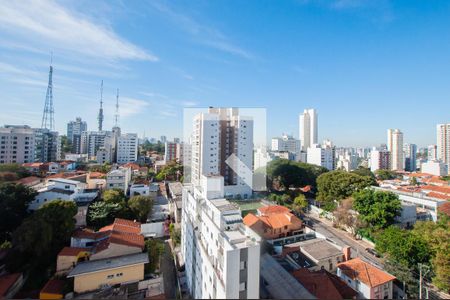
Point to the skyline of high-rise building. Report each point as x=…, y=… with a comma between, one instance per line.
x=308, y=128
x=75, y=128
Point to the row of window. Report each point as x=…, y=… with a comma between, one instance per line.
x=111, y=276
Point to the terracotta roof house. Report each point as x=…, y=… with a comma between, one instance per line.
x=273, y=222
x=445, y=208
x=324, y=285
x=10, y=284
x=68, y=257
x=120, y=238
x=368, y=280
x=29, y=181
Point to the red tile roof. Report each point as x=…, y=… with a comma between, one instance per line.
x=53, y=286
x=28, y=180
x=273, y=209
x=7, y=281
x=94, y=175
x=32, y=165
x=438, y=196
x=445, y=208
x=89, y=234
x=127, y=239
x=71, y=251
x=123, y=232
x=132, y=166
x=324, y=285
x=438, y=189
x=365, y=272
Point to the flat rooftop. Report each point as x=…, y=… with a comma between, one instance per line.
x=224, y=205
x=317, y=248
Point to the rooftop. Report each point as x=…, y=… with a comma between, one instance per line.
x=368, y=274
x=317, y=248
x=7, y=281
x=71, y=251
x=324, y=285
x=53, y=286
x=224, y=205
x=108, y=263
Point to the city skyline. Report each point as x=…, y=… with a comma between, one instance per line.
x=386, y=63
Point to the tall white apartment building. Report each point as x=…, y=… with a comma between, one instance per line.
x=380, y=159
x=221, y=254
x=93, y=141
x=287, y=143
x=395, y=147
x=432, y=152
x=222, y=144
x=127, y=148
x=443, y=142
x=322, y=155
x=308, y=128
x=17, y=144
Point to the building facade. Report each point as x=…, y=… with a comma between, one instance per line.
x=127, y=148
x=308, y=126
x=322, y=155
x=395, y=147
x=93, y=141
x=17, y=144
x=443, y=142
x=222, y=144
x=410, y=151
x=170, y=151
x=75, y=128
x=380, y=159
x=221, y=257
x=287, y=143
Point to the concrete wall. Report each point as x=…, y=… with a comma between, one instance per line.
x=93, y=281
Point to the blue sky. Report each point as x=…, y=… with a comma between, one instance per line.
x=365, y=65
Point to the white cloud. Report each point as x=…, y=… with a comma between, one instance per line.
x=130, y=106
x=204, y=35
x=189, y=103
x=45, y=22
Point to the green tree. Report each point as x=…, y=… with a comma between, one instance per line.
x=283, y=174
x=14, y=200
x=114, y=196
x=383, y=174
x=141, y=206
x=102, y=213
x=66, y=144
x=337, y=185
x=300, y=203
x=413, y=181
x=175, y=234
x=362, y=171
x=59, y=214
x=16, y=169
x=154, y=248
x=378, y=209
x=437, y=237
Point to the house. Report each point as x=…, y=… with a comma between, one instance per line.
x=315, y=254
x=139, y=189
x=53, y=289
x=120, y=238
x=96, y=180
x=95, y=274
x=34, y=168
x=324, y=285
x=64, y=189
x=68, y=165
x=274, y=222
x=159, y=165
x=118, y=179
x=10, y=284
x=50, y=167
x=68, y=257
x=369, y=281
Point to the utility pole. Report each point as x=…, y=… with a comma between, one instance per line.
x=423, y=271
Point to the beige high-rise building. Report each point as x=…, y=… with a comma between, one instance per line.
x=308, y=128
x=17, y=144
x=443, y=142
x=395, y=147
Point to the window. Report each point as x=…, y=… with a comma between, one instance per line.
x=243, y=265
x=110, y=277
x=242, y=286
x=119, y=274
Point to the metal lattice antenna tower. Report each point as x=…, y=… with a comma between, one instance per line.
x=100, y=112
x=116, y=116
x=48, y=118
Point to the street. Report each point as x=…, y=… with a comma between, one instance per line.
x=343, y=238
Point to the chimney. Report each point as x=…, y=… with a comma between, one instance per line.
x=347, y=252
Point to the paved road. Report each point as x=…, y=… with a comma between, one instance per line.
x=160, y=209
x=169, y=272
x=342, y=238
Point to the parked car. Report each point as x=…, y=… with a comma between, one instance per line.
x=373, y=252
